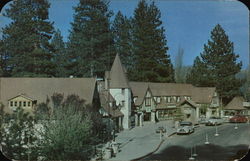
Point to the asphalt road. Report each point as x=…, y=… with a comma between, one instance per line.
x=229, y=145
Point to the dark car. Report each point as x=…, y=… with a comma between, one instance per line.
x=160, y=129
x=238, y=119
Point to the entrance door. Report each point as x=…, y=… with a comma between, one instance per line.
x=147, y=116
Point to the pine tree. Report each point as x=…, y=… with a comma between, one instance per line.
x=2, y=61
x=152, y=63
x=121, y=29
x=90, y=41
x=221, y=66
x=59, y=58
x=199, y=74
x=26, y=38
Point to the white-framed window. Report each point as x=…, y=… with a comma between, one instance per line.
x=24, y=103
x=178, y=98
x=168, y=99
x=147, y=101
x=135, y=98
x=123, y=90
x=11, y=103
x=15, y=103
x=158, y=100
x=123, y=103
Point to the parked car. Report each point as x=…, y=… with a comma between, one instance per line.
x=238, y=119
x=214, y=121
x=160, y=129
x=185, y=128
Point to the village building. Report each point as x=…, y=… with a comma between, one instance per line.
x=29, y=92
x=161, y=101
x=124, y=102
x=238, y=105
x=116, y=83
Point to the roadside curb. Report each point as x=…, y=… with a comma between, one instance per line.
x=150, y=153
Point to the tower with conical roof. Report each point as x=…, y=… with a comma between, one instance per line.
x=117, y=83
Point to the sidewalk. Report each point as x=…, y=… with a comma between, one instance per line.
x=140, y=141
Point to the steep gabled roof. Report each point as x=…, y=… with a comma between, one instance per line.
x=235, y=104
x=105, y=98
x=139, y=90
x=192, y=103
x=118, y=78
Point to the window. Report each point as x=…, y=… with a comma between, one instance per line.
x=168, y=99
x=178, y=99
x=20, y=103
x=135, y=98
x=158, y=99
x=174, y=98
x=148, y=101
x=11, y=103
x=15, y=103
x=24, y=103
x=29, y=104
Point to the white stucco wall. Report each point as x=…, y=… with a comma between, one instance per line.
x=126, y=110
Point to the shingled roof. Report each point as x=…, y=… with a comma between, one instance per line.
x=118, y=78
x=106, y=97
x=235, y=104
x=170, y=89
x=42, y=88
x=198, y=94
x=139, y=90
x=203, y=94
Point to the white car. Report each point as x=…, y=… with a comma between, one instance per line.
x=185, y=128
x=214, y=121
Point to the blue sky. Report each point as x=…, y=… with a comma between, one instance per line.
x=188, y=23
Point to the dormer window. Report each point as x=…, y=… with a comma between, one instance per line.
x=168, y=99
x=21, y=101
x=158, y=99
x=178, y=99
x=148, y=101
x=123, y=90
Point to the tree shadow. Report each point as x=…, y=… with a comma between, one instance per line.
x=205, y=152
